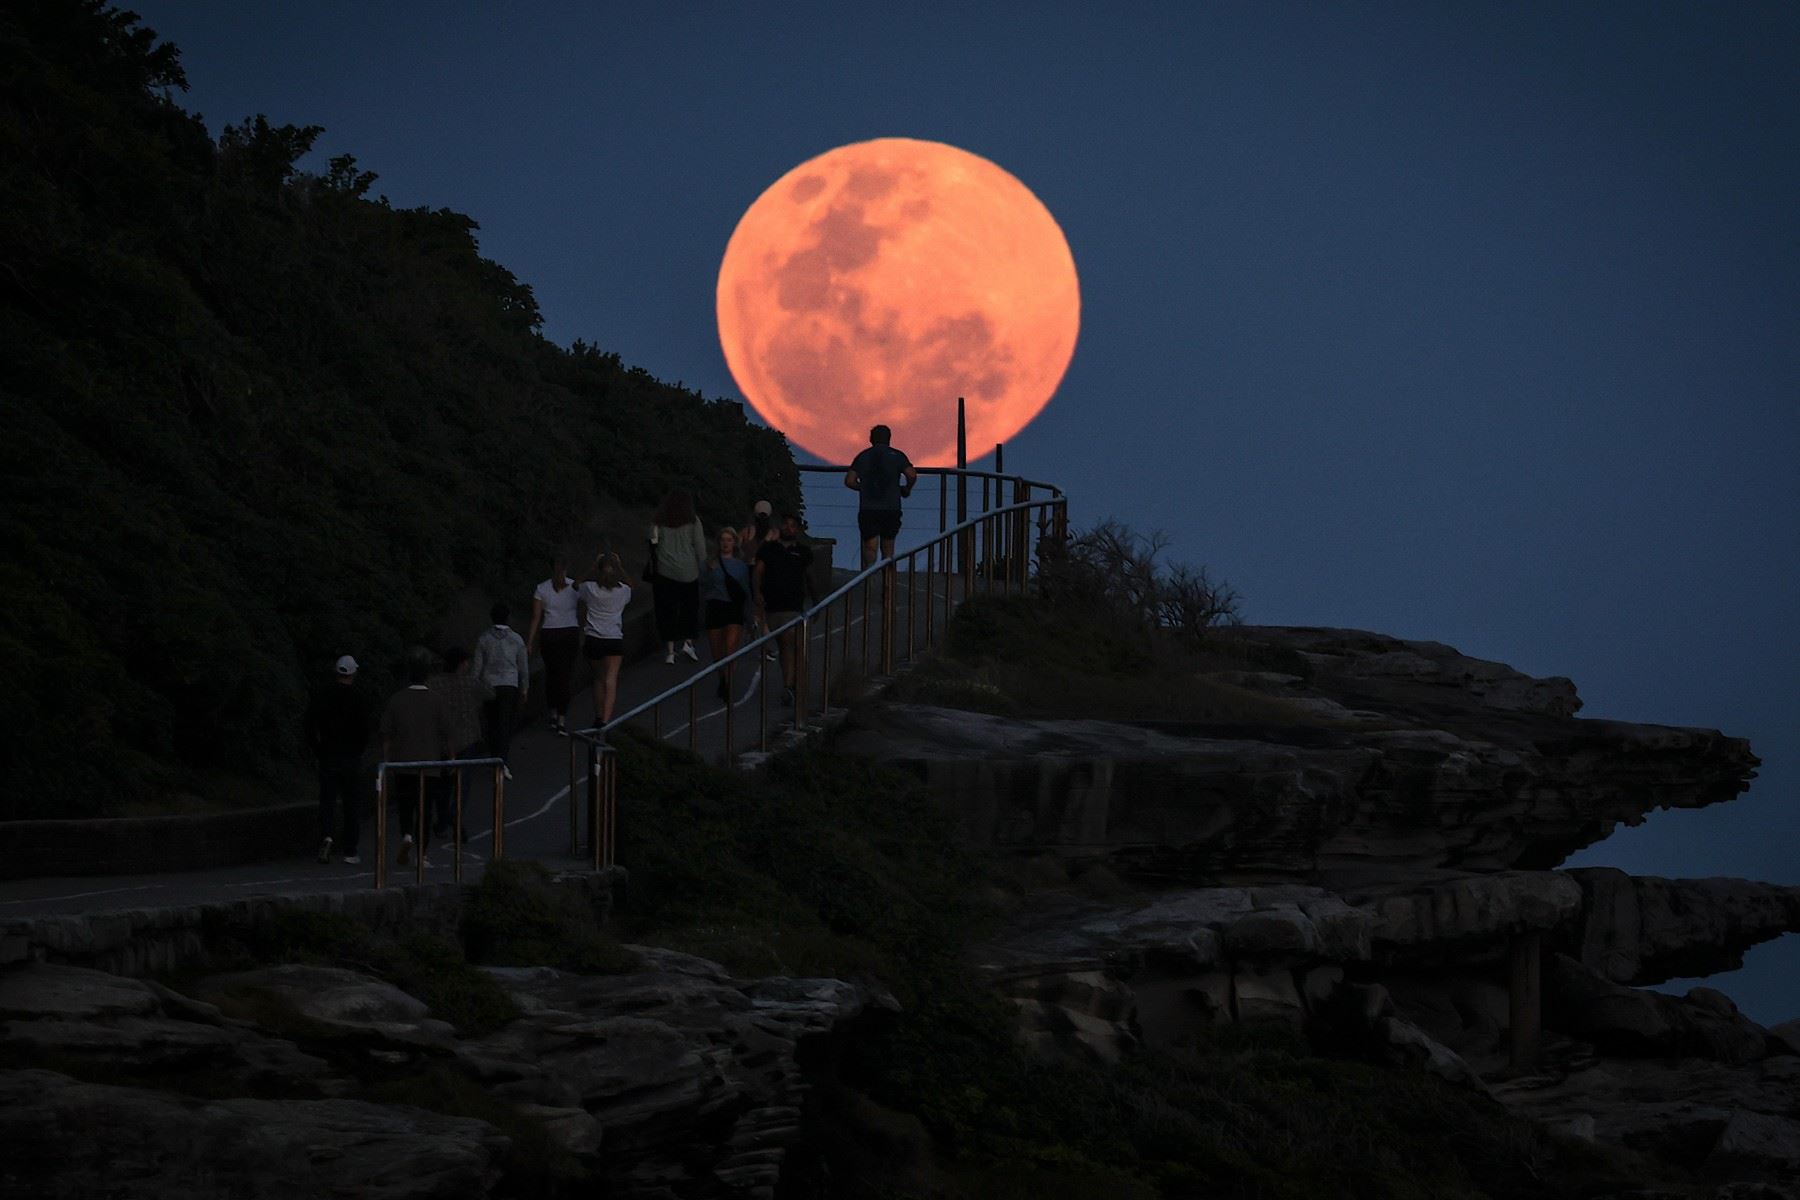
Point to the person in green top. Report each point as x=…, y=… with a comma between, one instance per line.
x=678, y=556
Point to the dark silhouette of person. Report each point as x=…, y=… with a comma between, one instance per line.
x=780, y=582
x=504, y=669
x=554, y=616
x=416, y=727
x=337, y=730
x=678, y=553
x=884, y=477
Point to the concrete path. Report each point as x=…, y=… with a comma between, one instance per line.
x=537, y=798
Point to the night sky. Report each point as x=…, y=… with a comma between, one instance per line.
x=1477, y=325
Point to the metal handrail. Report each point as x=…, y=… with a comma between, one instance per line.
x=1007, y=525
x=496, y=765
x=952, y=472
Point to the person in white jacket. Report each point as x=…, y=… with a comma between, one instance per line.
x=504, y=669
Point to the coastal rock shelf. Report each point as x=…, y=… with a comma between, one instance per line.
x=674, y=1079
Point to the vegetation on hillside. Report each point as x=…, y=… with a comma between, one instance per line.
x=253, y=417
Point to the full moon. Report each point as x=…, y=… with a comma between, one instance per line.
x=881, y=280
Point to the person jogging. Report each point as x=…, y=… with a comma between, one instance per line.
x=503, y=667
x=884, y=477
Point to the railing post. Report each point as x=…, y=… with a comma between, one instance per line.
x=499, y=811
x=381, y=807
x=419, y=838
x=575, y=744
x=693, y=719
x=762, y=700
x=456, y=833
x=890, y=579
x=825, y=660
x=930, y=589
x=730, y=713
x=865, y=627
x=943, y=503
x=912, y=602
x=801, y=669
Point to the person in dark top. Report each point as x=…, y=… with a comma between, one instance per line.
x=780, y=583
x=337, y=730
x=416, y=726
x=884, y=476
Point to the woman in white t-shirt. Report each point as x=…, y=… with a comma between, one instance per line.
x=554, y=615
x=605, y=593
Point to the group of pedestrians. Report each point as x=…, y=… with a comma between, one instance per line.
x=755, y=577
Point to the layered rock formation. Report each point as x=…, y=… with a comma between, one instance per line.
x=1371, y=875
x=673, y=1080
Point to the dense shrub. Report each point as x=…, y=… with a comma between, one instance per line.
x=252, y=418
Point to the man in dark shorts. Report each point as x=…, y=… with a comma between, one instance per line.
x=884, y=476
x=780, y=582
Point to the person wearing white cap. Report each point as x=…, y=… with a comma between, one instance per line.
x=337, y=730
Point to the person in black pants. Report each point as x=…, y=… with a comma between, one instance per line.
x=337, y=730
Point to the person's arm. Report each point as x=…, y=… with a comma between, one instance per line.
x=537, y=621
x=522, y=663
x=852, y=480
x=698, y=532
x=911, y=475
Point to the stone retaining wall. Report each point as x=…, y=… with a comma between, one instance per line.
x=135, y=845
x=142, y=941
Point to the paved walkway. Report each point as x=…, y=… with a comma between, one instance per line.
x=537, y=799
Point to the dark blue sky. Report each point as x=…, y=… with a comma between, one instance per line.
x=1474, y=324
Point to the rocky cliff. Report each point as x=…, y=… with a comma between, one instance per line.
x=1377, y=874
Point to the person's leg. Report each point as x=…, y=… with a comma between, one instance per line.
x=350, y=784
x=559, y=669
x=506, y=711
x=866, y=528
x=689, y=616
x=664, y=603
x=730, y=638
x=612, y=686
x=327, y=800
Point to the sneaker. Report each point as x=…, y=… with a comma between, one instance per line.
x=325, y=851
x=424, y=862
x=771, y=654
x=687, y=648
x=353, y=860
x=562, y=728
x=505, y=771
x=669, y=659
x=406, y=845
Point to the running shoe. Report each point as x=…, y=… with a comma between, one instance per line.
x=505, y=771
x=669, y=659
x=325, y=851
x=353, y=860
x=687, y=648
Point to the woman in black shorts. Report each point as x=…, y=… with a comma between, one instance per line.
x=604, y=593
x=725, y=590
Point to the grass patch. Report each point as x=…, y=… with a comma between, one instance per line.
x=517, y=916
x=433, y=969
x=1020, y=656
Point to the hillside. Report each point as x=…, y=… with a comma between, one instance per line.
x=252, y=417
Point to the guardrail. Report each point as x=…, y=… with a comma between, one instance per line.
x=419, y=771
x=991, y=551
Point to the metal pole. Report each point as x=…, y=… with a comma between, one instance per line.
x=730, y=711
x=930, y=589
x=499, y=812
x=419, y=840
x=962, y=465
x=456, y=835
x=865, y=626
x=912, y=601
x=801, y=668
x=693, y=719
x=574, y=794
x=381, y=827
x=762, y=699
x=825, y=661
x=890, y=579
x=943, y=502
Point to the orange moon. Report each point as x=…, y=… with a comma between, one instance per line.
x=881, y=280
